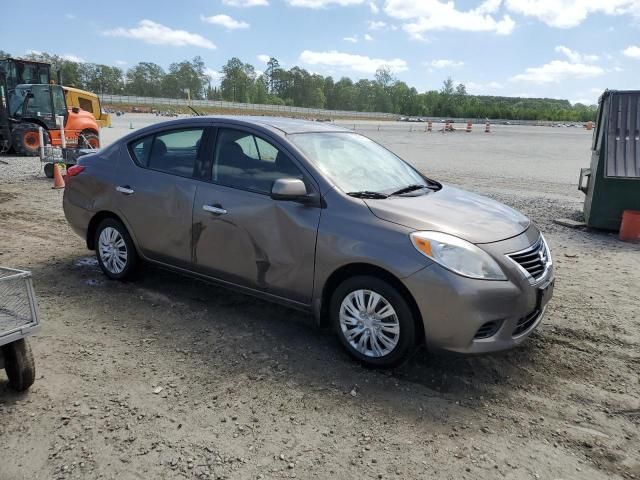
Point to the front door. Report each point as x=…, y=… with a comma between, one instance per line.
x=156, y=189
x=240, y=234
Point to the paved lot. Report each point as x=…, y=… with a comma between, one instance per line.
x=252, y=390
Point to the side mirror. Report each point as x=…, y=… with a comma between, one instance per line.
x=291, y=189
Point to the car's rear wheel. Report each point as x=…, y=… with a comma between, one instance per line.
x=115, y=250
x=373, y=321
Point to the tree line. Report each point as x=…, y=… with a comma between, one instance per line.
x=240, y=82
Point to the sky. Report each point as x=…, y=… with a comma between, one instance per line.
x=569, y=49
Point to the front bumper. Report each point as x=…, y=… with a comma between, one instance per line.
x=457, y=311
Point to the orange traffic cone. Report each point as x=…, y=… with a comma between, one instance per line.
x=468, y=130
x=430, y=127
x=58, y=182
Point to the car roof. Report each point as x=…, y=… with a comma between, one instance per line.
x=282, y=125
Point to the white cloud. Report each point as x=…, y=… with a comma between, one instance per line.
x=430, y=15
x=575, y=57
x=73, y=58
x=357, y=63
x=264, y=58
x=353, y=39
x=444, y=63
x=632, y=51
x=121, y=62
x=213, y=74
x=376, y=25
x=556, y=71
x=368, y=37
x=571, y=13
x=374, y=8
x=246, y=3
x=323, y=3
x=69, y=16
x=226, y=21
x=33, y=52
x=157, y=34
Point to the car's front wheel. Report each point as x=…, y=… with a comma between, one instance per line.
x=373, y=321
x=115, y=250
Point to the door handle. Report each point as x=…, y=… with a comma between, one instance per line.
x=216, y=210
x=126, y=190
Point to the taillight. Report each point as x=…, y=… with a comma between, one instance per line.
x=74, y=170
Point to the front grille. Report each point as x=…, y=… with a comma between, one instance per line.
x=525, y=323
x=487, y=330
x=534, y=259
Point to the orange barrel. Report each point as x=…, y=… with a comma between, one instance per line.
x=630, y=227
x=468, y=130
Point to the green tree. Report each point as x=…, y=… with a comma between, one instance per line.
x=145, y=79
x=237, y=81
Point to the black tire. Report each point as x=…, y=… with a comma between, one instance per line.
x=48, y=170
x=406, y=322
x=132, y=260
x=19, y=364
x=26, y=140
x=89, y=139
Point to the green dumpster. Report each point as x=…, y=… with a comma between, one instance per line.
x=613, y=181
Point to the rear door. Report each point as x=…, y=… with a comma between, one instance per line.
x=157, y=183
x=240, y=234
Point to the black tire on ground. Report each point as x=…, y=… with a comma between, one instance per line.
x=89, y=139
x=407, y=327
x=19, y=364
x=132, y=259
x=48, y=170
x=26, y=140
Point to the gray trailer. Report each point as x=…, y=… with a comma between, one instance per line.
x=18, y=319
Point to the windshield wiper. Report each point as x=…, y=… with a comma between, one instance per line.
x=367, y=194
x=410, y=188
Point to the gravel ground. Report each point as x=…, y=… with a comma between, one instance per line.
x=170, y=377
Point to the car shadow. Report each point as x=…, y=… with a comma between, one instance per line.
x=310, y=349
x=239, y=336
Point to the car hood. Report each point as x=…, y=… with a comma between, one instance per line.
x=472, y=217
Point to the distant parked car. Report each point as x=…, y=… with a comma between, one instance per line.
x=319, y=218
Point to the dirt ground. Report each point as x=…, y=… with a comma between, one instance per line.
x=169, y=377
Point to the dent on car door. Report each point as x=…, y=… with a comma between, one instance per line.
x=241, y=234
x=156, y=192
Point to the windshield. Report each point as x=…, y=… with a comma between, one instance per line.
x=355, y=163
x=39, y=105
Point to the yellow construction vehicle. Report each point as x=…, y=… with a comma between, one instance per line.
x=88, y=102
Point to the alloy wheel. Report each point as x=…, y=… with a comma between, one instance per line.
x=369, y=323
x=113, y=250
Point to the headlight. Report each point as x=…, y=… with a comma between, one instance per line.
x=457, y=255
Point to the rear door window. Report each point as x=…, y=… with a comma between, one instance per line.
x=140, y=150
x=175, y=152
